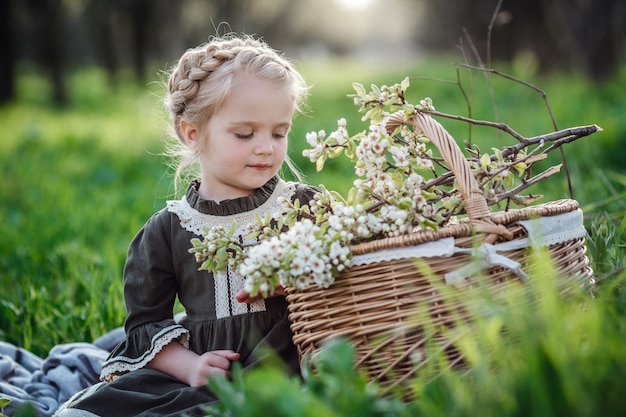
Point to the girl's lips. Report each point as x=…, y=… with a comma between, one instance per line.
x=260, y=166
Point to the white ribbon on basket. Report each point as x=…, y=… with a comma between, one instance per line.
x=543, y=231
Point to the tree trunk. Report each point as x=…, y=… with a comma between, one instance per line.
x=7, y=52
x=47, y=17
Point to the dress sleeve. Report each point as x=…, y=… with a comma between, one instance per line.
x=150, y=288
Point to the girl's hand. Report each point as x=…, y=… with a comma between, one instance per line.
x=193, y=369
x=210, y=364
x=243, y=296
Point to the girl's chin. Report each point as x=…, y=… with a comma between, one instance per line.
x=262, y=175
x=258, y=182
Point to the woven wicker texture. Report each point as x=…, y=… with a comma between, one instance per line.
x=374, y=305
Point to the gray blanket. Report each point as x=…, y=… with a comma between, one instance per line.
x=47, y=383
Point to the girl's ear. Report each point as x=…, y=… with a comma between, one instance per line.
x=190, y=133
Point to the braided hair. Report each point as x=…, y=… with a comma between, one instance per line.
x=201, y=81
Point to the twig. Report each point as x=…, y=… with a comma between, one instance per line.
x=444, y=179
x=526, y=184
x=473, y=47
x=489, y=83
x=501, y=126
x=437, y=80
x=463, y=92
x=468, y=100
x=468, y=103
x=539, y=91
x=559, y=138
x=494, y=16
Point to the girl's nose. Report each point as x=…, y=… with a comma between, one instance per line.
x=264, y=145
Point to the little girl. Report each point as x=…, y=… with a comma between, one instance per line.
x=232, y=102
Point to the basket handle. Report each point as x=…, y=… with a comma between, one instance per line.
x=474, y=201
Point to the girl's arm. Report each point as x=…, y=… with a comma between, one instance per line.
x=189, y=367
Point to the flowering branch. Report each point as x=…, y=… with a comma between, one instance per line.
x=401, y=188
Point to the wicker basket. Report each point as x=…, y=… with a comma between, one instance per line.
x=373, y=303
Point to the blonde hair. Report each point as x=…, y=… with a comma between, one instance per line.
x=200, y=83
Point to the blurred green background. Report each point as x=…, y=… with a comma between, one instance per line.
x=83, y=128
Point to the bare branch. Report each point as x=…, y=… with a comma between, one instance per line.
x=559, y=138
x=539, y=91
x=501, y=126
x=527, y=184
x=494, y=16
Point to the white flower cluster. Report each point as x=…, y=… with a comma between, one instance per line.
x=322, y=146
x=393, y=200
x=315, y=141
x=298, y=257
x=218, y=250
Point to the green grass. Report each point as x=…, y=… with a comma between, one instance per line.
x=77, y=183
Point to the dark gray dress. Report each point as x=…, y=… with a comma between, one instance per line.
x=159, y=268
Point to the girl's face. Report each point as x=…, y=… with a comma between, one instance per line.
x=245, y=143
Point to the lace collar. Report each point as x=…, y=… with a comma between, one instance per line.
x=194, y=212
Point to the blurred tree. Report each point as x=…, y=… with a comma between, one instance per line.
x=7, y=52
x=587, y=35
x=46, y=30
x=141, y=13
x=100, y=17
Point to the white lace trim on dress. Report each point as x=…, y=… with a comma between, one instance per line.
x=120, y=365
x=194, y=221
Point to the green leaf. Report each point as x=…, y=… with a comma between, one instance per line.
x=235, y=248
x=221, y=265
x=233, y=227
x=350, y=150
x=485, y=160
x=335, y=152
x=221, y=254
x=498, y=154
x=409, y=110
x=430, y=224
x=520, y=167
x=208, y=265
x=290, y=218
x=405, y=84
x=360, y=90
x=197, y=243
x=319, y=164
x=404, y=204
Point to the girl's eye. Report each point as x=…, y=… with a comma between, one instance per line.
x=279, y=135
x=244, y=135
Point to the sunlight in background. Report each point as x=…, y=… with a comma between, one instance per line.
x=379, y=32
x=354, y=4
